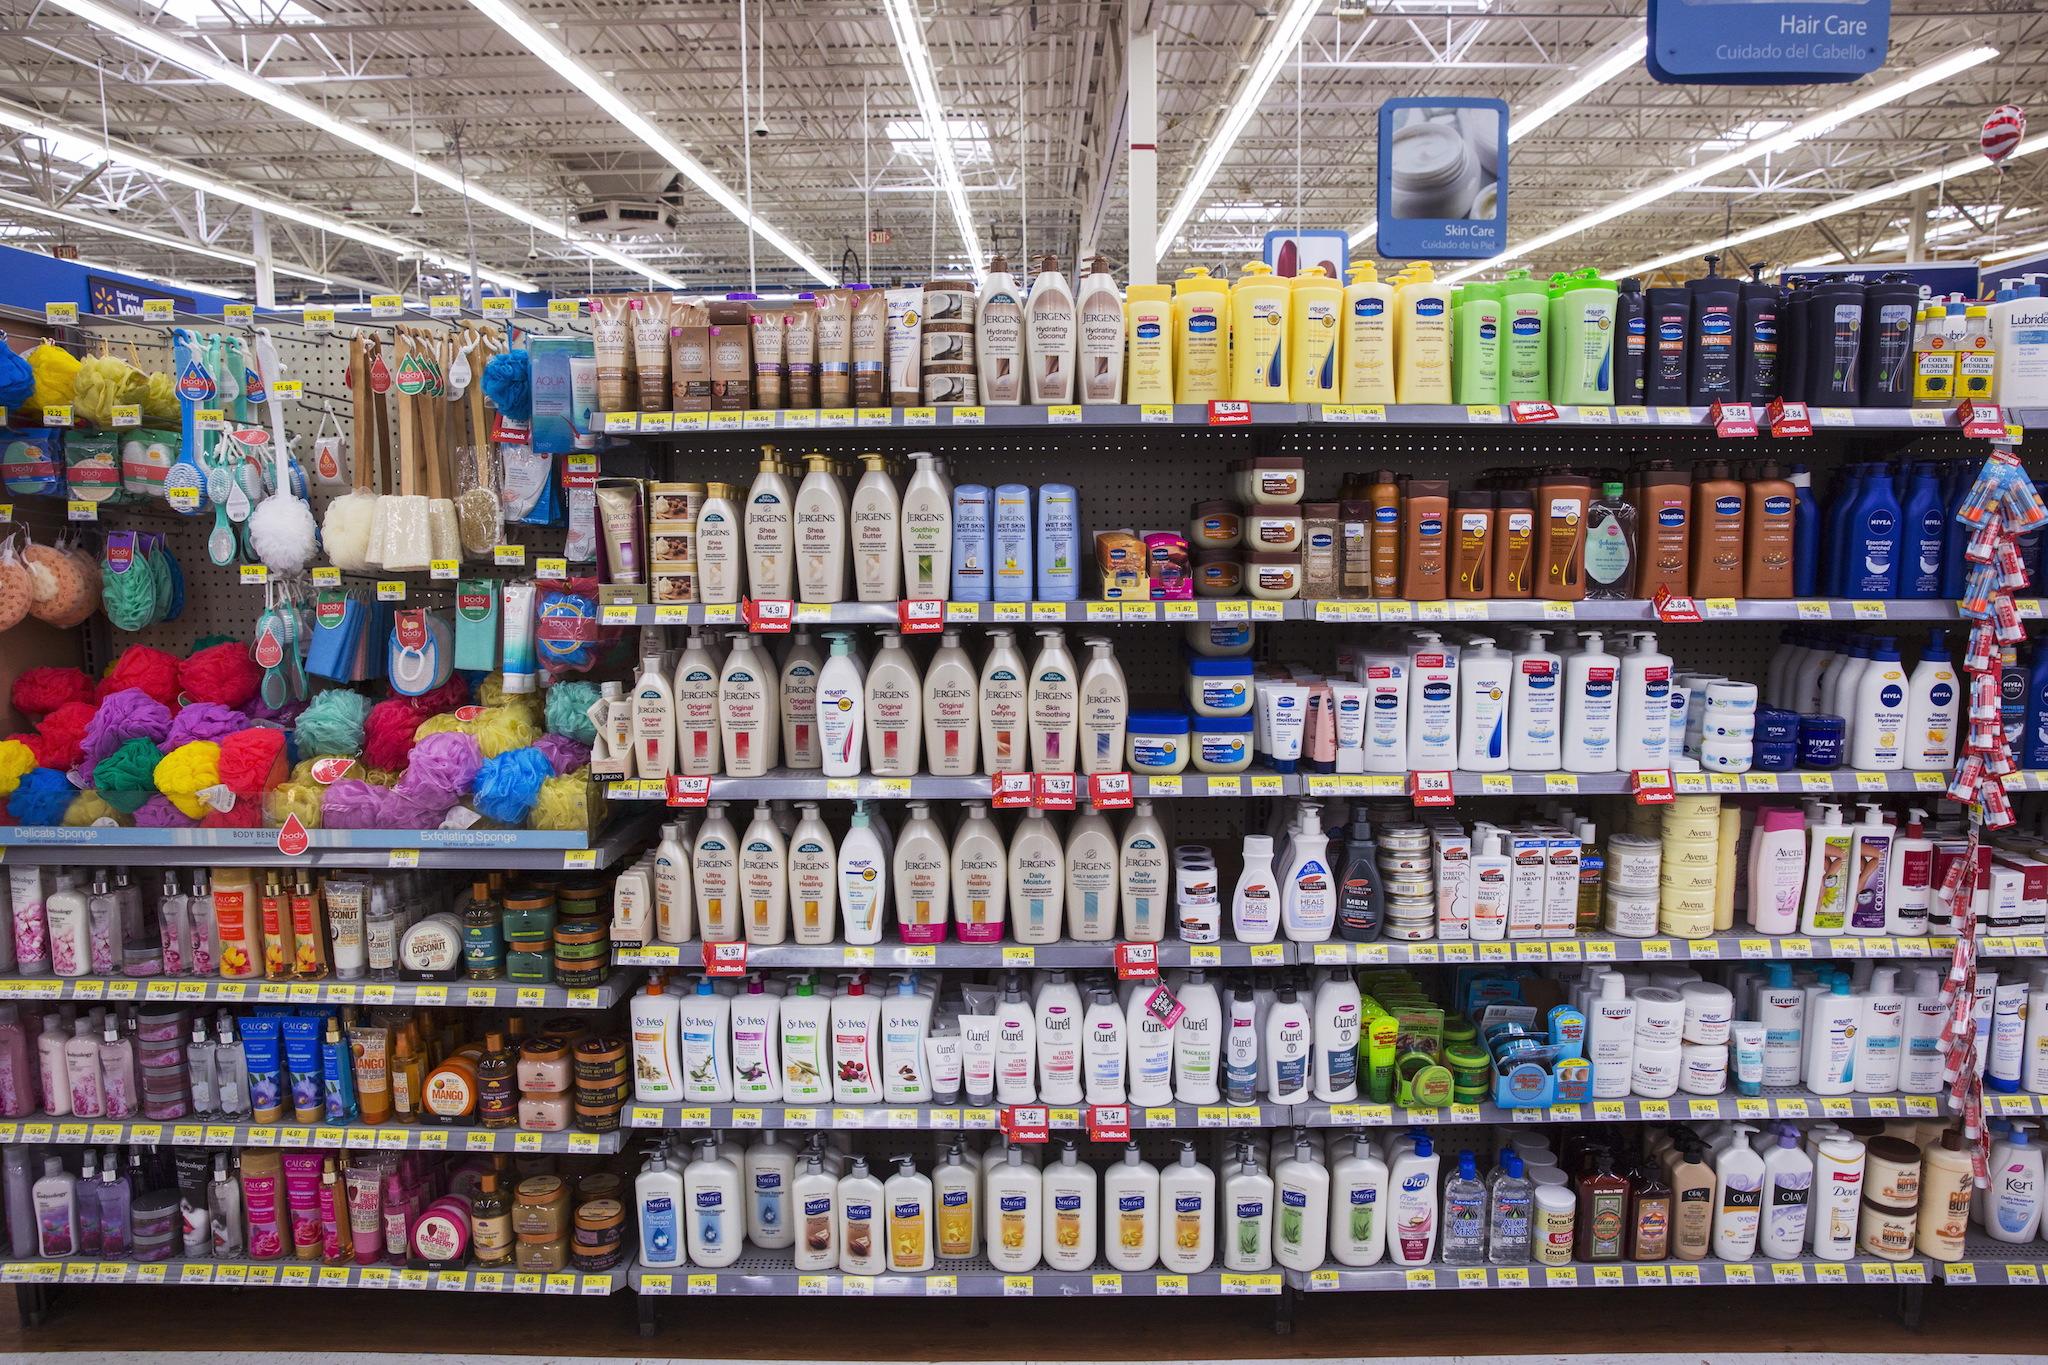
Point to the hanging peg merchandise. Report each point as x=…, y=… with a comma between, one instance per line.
x=281, y=529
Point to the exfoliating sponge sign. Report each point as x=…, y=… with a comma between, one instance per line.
x=1443, y=178
x=1767, y=42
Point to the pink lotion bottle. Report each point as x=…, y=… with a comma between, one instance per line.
x=17, y=1079
x=117, y=1072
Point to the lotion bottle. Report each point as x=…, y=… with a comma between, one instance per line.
x=1536, y=708
x=863, y=879
x=1645, y=693
x=797, y=691
x=1071, y=1199
x=1037, y=878
x=1142, y=875
x=1050, y=335
x=1738, y=1196
x=951, y=727
x=927, y=532
x=714, y=872
x=980, y=878
x=908, y=1199
x=1932, y=708
x=1832, y=1022
x=1484, y=674
x=821, y=520
x=1787, y=1199
x=751, y=732
x=841, y=702
x=1187, y=1214
x=1828, y=890
x=1091, y=892
x=654, y=721
x=1358, y=1204
x=764, y=879
x=999, y=337
x=894, y=707
x=1013, y=1195
x=919, y=873
x=1101, y=311
x=1004, y=744
x=1308, y=892
x=1131, y=1204
x=1197, y=1040
x=813, y=879
x=955, y=1196
x=1590, y=707
x=863, y=1221
x=855, y=1020
x=771, y=556
x=1255, y=904
x=1052, y=706
x=699, y=745
x=715, y=1232
x=1247, y=1208
x=1412, y=1205
x=1105, y=702
x=876, y=531
x=1366, y=348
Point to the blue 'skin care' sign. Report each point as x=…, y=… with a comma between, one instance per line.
x=1767, y=42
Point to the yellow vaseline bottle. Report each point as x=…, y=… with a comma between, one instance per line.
x=1422, y=329
x=1315, y=314
x=1365, y=352
x=1201, y=336
x=1148, y=343
x=1258, y=335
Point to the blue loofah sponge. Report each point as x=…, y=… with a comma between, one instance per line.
x=45, y=794
x=506, y=786
x=508, y=383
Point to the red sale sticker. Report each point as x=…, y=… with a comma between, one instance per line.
x=1532, y=412
x=1010, y=791
x=921, y=615
x=1431, y=788
x=688, y=791
x=1109, y=791
x=1981, y=419
x=1225, y=412
x=1733, y=419
x=1788, y=419
x=725, y=959
x=1137, y=961
x=1672, y=609
x=1651, y=786
x=1109, y=1123
x=768, y=615
x=1027, y=1123
x=1053, y=791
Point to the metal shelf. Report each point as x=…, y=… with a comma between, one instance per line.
x=808, y=785
x=470, y=849
x=1327, y=611
x=1615, y=1275
x=306, y=1274
x=771, y=1273
x=473, y=994
x=411, y=1137
x=1773, y=1104
x=1097, y=416
x=1732, y=946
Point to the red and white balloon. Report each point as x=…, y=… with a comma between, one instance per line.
x=2003, y=129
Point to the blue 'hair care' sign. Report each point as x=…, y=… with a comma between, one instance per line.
x=1767, y=42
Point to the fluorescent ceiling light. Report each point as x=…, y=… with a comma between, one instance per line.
x=1619, y=61
x=108, y=225
x=157, y=43
x=1626, y=57
x=924, y=84
x=1968, y=165
x=1803, y=131
x=2014, y=253
x=1280, y=44
x=600, y=92
x=228, y=12
x=234, y=192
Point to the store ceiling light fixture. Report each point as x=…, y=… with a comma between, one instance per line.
x=35, y=125
x=1618, y=62
x=157, y=43
x=97, y=223
x=1804, y=130
x=1862, y=199
x=1280, y=43
x=908, y=30
x=601, y=92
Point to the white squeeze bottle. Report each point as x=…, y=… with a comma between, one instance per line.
x=1837, y=1197
x=1255, y=904
x=1014, y=1195
x=951, y=728
x=1038, y=880
x=1738, y=1196
x=841, y=703
x=1004, y=742
x=674, y=906
x=1301, y=1193
x=806, y=1045
x=1432, y=703
x=1071, y=1200
x=920, y=874
x=1091, y=855
x=714, y=871
x=721, y=555
x=1101, y=312
x=1142, y=888
x=1308, y=888
x=980, y=877
x=704, y=1028
x=1777, y=868
x=657, y=1045
x=698, y=743
x=1197, y=1039
x=764, y=879
x=716, y=1229
x=894, y=704
x=1933, y=704
x=1412, y=1205
x=1105, y=702
x=1878, y=721
x=856, y=1019
x=756, y=1060
x=1338, y=1011
x=927, y=531
x=813, y=879
x=1536, y=708
x=1484, y=674
x=1870, y=857
x=798, y=690
x=1052, y=706
x=1366, y=339
x=2012, y=1206
x=1645, y=692
x=1288, y=1048
x=1880, y=1038
x=658, y=1194
x=863, y=879
x=1150, y=1044
x=1102, y=1048
x=876, y=533
x=1590, y=704
x=1920, y=1064
x=1833, y=1020
x=771, y=556
x=862, y=1229
x=1057, y=1023
x=1828, y=892
x=820, y=533
x=1247, y=1207
x=1358, y=1204
x=654, y=721
x=999, y=337
x=1787, y=1198
x=815, y=1195
x=956, y=1195
x=1187, y=1214
x=1909, y=880
x=1130, y=1203
x=908, y=1198
x=751, y=732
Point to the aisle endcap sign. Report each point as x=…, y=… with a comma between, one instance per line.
x=1767, y=42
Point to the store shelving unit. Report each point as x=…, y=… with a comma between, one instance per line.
x=63, y=1132
x=471, y=994
x=307, y=1275
x=769, y=1272
x=475, y=849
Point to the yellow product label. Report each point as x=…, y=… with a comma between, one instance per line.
x=906, y=1235
x=1934, y=376
x=1973, y=373
x=1201, y=333
x=1188, y=1225
x=1259, y=349
x=956, y=1223
x=1015, y=1224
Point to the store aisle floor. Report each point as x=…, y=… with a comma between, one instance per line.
x=196, y=1326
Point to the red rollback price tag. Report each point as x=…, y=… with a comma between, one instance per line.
x=1674, y=610
x=1027, y=1122
x=1985, y=420
x=725, y=959
x=1137, y=962
x=1733, y=419
x=921, y=615
x=1788, y=419
x=1228, y=412
x=1521, y=414
x=768, y=615
x=292, y=839
x=1651, y=786
x=1431, y=788
x=1109, y=1123
x=1109, y=791
x=688, y=791
x=1011, y=791
x=1052, y=791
